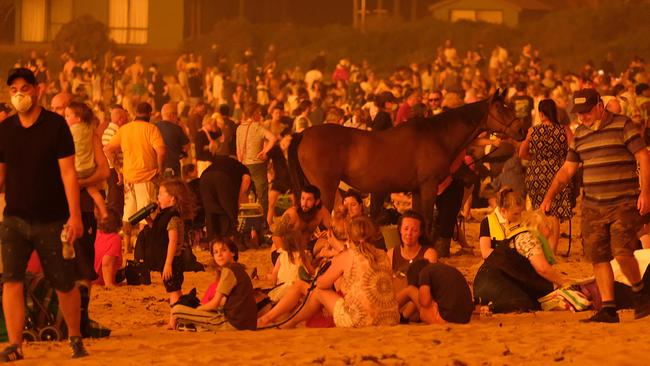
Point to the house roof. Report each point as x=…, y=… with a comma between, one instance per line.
x=518, y=4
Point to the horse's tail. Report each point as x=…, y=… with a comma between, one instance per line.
x=298, y=178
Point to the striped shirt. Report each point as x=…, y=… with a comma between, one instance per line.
x=607, y=153
x=108, y=134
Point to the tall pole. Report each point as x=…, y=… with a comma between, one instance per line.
x=396, y=9
x=363, y=15
x=414, y=10
x=355, y=14
x=241, y=9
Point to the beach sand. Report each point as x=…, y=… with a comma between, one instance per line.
x=138, y=317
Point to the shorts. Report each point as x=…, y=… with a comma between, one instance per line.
x=210, y=320
x=137, y=196
x=610, y=231
x=342, y=318
x=175, y=283
x=20, y=238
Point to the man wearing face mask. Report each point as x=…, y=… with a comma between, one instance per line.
x=42, y=192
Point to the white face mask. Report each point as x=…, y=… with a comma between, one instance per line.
x=22, y=102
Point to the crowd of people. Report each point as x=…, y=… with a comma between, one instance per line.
x=91, y=147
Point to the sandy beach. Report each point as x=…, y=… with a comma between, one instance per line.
x=138, y=315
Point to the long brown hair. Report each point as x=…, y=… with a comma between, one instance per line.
x=185, y=201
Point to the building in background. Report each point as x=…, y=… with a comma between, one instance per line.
x=506, y=12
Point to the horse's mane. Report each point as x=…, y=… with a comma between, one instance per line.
x=471, y=114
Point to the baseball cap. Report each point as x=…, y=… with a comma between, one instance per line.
x=584, y=100
x=21, y=73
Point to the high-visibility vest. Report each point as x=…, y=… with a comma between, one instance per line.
x=501, y=235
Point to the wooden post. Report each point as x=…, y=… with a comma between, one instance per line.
x=355, y=14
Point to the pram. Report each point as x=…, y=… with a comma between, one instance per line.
x=43, y=318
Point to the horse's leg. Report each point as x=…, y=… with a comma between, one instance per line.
x=427, y=200
x=376, y=205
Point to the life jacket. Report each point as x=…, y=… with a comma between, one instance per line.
x=501, y=235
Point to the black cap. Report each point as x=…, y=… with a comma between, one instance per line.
x=21, y=73
x=584, y=100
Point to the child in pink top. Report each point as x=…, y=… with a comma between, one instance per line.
x=108, y=249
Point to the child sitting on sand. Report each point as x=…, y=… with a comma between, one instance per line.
x=291, y=257
x=239, y=310
x=439, y=292
x=108, y=249
x=80, y=119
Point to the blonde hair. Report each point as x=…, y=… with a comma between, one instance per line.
x=290, y=240
x=508, y=198
x=535, y=221
x=362, y=233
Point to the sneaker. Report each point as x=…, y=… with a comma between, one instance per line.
x=77, y=346
x=11, y=353
x=602, y=316
x=642, y=306
x=186, y=327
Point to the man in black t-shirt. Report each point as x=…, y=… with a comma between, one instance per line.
x=37, y=166
x=223, y=185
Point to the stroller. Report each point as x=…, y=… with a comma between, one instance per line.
x=43, y=318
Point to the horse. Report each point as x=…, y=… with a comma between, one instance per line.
x=412, y=157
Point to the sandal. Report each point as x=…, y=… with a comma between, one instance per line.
x=11, y=353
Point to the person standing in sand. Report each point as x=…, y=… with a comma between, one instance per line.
x=610, y=147
x=25, y=139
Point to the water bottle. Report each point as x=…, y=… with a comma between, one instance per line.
x=67, y=245
x=142, y=213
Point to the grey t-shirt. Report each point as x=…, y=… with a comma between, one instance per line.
x=250, y=141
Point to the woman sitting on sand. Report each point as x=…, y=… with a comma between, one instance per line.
x=324, y=250
x=410, y=231
x=291, y=257
x=517, y=269
x=362, y=274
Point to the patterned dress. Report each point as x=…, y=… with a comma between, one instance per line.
x=368, y=298
x=548, y=148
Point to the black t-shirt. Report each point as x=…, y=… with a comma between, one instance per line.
x=485, y=228
x=34, y=188
x=450, y=290
x=229, y=166
x=382, y=121
x=174, y=138
x=201, y=141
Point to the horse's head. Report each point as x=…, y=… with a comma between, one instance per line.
x=502, y=119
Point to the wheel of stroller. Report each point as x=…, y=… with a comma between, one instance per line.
x=50, y=333
x=30, y=335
